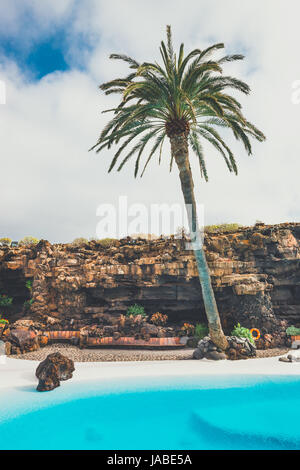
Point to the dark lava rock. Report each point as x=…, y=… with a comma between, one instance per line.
x=23, y=339
x=284, y=359
x=74, y=341
x=293, y=358
x=192, y=342
x=198, y=354
x=149, y=329
x=239, y=348
x=215, y=355
x=52, y=370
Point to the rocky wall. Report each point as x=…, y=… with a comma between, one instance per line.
x=255, y=275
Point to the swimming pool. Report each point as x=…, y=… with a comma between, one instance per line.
x=219, y=412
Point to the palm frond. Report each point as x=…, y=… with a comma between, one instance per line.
x=207, y=52
x=231, y=58
x=133, y=63
x=158, y=142
x=189, y=94
x=198, y=150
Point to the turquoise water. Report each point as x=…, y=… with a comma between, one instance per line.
x=176, y=413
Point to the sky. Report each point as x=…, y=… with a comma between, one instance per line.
x=53, y=56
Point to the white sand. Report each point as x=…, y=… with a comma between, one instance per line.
x=19, y=373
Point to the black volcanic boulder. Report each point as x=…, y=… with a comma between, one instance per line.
x=23, y=339
x=238, y=348
x=149, y=329
x=52, y=370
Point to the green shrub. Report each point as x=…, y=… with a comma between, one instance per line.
x=79, y=241
x=29, y=285
x=27, y=241
x=3, y=321
x=27, y=304
x=201, y=330
x=135, y=310
x=292, y=331
x=107, y=242
x=5, y=241
x=5, y=301
x=242, y=332
x=222, y=228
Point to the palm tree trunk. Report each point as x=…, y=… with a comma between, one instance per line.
x=179, y=149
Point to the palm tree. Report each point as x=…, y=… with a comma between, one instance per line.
x=184, y=99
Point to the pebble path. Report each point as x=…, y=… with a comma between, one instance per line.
x=112, y=355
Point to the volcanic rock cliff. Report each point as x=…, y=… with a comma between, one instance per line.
x=255, y=275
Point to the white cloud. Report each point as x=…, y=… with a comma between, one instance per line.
x=33, y=19
x=51, y=186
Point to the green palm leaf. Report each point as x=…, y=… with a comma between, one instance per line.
x=189, y=95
